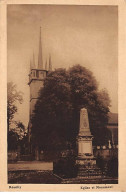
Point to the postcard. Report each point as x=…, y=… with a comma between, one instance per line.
x=63, y=95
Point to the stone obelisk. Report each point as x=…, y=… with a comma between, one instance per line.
x=84, y=140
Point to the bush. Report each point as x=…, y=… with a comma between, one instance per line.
x=112, y=167
x=65, y=167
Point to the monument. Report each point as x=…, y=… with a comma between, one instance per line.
x=85, y=160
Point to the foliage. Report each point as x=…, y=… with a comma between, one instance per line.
x=101, y=163
x=13, y=96
x=13, y=140
x=54, y=108
x=17, y=137
x=20, y=129
x=66, y=167
x=112, y=167
x=56, y=116
x=16, y=129
x=24, y=144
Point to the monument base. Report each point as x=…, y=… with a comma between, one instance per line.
x=87, y=168
x=88, y=172
x=86, y=161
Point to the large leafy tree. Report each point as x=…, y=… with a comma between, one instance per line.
x=53, y=111
x=85, y=93
x=17, y=137
x=16, y=129
x=13, y=140
x=13, y=97
x=56, y=116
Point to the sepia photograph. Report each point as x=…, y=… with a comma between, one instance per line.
x=62, y=94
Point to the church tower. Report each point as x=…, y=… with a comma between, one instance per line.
x=36, y=79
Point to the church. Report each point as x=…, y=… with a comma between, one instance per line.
x=36, y=79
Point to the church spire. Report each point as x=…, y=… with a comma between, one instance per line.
x=50, y=63
x=40, y=62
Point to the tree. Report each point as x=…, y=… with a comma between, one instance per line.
x=13, y=96
x=13, y=140
x=112, y=167
x=54, y=108
x=85, y=93
x=17, y=136
x=56, y=115
x=23, y=142
x=20, y=129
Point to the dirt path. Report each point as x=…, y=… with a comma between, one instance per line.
x=30, y=165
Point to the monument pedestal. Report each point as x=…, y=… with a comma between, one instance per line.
x=86, y=161
x=87, y=167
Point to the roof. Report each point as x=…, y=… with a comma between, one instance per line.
x=113, y=118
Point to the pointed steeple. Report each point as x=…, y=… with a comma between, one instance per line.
x=40, y=62
x=46, y=65
x=50, y=63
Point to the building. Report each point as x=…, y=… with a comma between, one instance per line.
x=36, y=80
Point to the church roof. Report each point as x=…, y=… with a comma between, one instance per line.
x=113, y=118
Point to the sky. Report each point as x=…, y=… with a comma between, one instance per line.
x=72, y=34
